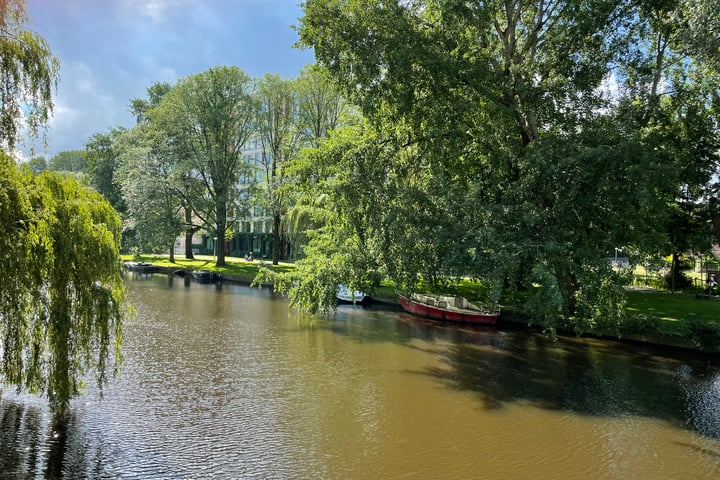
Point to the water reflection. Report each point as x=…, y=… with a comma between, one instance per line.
x=223, y=381
x=583, y=376
x=21, y=438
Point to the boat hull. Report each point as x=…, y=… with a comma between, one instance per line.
x=438, y=313
x=204, y=276
x=142, y=267
x=354, y=297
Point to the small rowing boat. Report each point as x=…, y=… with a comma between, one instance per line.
x=448, y=307
x=356, y=297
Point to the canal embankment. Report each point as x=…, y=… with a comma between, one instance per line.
x=674, y=321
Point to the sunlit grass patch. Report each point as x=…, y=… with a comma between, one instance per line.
x=235, y=265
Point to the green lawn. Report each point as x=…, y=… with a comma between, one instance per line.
x=235, y=266
x=675, y=312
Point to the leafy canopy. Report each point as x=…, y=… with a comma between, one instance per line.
x=491, y=151
x=28, y=74
x=207, y=118
x=61, y=305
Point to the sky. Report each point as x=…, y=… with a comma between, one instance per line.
x=111, y=51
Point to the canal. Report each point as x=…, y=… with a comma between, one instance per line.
x=226, y=382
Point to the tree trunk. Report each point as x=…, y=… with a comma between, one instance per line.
x=715, y=218
x=570, y=287
x=220, y=246
x=220, y=226
x=189, y=232
x=276, y=239
x=172, y=252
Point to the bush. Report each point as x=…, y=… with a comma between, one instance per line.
x=641, y=323
x=705, y=335
x=682, y=281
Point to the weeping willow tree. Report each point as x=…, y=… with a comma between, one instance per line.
x=61, y=294
x=28, y=74
x=61, y=300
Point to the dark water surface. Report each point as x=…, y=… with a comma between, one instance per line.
x=224, y=381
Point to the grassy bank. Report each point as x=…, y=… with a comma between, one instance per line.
x=674, y=312
x=237, y=267
x=680, y=315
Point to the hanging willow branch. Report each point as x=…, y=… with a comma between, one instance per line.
x=62, y=297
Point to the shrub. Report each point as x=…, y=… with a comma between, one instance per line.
x=682, y=281
x=641, y=323
x=705, y=335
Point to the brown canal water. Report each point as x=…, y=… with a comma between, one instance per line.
x=224, y=381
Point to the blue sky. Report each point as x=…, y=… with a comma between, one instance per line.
x=111, y=51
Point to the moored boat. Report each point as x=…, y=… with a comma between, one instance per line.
x=449, y=308
x=204, y=275
x=356, y=297
x=145, y=267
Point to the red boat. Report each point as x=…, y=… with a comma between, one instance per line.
x=450, y=308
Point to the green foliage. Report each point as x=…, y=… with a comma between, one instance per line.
x=705, y=335
x=312, y=286
x=321, y=106
x=38, y=164
x=680, y=281
x=28, y=74
x=159, y=185
x=279, y=139
x=601, y=302
x=321, y=110
x=61, y=304
x=641, y=323
x=68, y=161
x=490, y=152
x=150, y=189
x=103, y=158
x=207, y=118
x=545, y=304
x=140, y=107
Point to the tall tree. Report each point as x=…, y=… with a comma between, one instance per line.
x=38, y=164
x=321, y=106
x=511, y=55
x=671, y=105
x=490, y=147
x=176, y=180
x=147, y=182
x=61, y=303
x=68, y=161
x=488, y=79
x=208, y=117
x=28, y=74
x=140, y=107
x=61, y=298
x=102, y=159
x=279, y=136
x=321, y=109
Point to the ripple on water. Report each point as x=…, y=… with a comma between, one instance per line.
x=224, y=384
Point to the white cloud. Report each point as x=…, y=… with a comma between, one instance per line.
x=82, y=108
x=156, y=10
x=111, y=51
x=155, y=72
